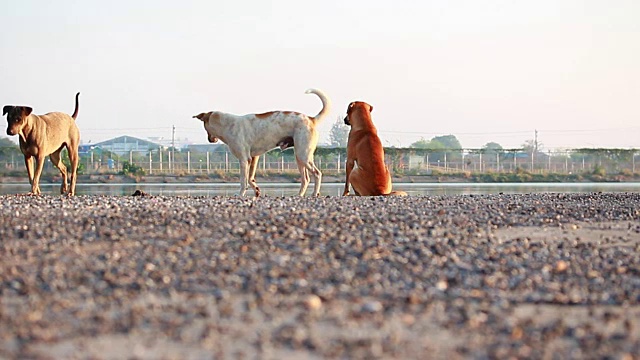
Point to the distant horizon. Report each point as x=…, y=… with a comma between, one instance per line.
x=183, y=143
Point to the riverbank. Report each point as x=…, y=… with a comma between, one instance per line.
x=293, y=177
x=495, y=276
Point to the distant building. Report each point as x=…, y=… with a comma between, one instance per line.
x=122, y=145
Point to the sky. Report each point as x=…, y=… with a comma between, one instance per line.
x=484, y=71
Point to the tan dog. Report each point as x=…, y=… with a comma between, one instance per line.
x=370, y=177
x=249, y=136
x=42, y=135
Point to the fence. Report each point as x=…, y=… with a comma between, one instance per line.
x=332, y=160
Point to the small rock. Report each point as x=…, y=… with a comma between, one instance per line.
x=312, y=302
x=372, y=307
x=442, y=285
x=561, y=266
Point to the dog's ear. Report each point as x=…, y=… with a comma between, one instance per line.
x=26, y=111
x=6, y=109
x=200, y=116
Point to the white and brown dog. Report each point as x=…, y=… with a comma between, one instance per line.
x=249, y=136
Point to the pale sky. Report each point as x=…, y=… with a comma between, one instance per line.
x=484, y=71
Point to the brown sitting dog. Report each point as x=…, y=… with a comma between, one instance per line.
x=42, y=135
x=370, y=177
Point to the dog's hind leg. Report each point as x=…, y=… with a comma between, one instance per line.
x=317, y=177
x=244, y=176
x=304, y=176
x=74, y=158
x=304, y=158
x=305, y=168
x=252, y=174
x=57, y=162
x=310, y=167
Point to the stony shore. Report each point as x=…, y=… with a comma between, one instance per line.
x=551, y=276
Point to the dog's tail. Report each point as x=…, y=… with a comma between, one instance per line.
x=75, y=112
x=326, y=104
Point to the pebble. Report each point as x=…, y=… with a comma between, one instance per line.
x=313, y=302
x=372, y=306
x=278, y=277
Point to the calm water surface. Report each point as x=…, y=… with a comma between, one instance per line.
x=288, y=189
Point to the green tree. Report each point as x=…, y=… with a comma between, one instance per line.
x=529, y=146
x=533, y=146
x=493, y=152
x=420, y=144
x=441, y=147
x=339, y=134
x=492, y=148
x=9, y=152
x=450, y=142
x=8, y=147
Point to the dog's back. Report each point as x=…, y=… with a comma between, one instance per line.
x=57, y=129
x=61, y=125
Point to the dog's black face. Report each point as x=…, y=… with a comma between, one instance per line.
x=15, y=118
x=346, y=118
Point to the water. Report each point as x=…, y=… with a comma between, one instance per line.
x=333, y=189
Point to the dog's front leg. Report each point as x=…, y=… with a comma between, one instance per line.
x=348, y=167
x=28, y=162
x=35, y=185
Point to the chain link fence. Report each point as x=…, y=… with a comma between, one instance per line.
x=401, y=161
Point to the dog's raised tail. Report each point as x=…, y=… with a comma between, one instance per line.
x=75, y=112
x=326, y=103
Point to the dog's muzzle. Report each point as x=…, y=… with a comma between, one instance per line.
x=346, y=120
x=213, y=139
x=11, y=132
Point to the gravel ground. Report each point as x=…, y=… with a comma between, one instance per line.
x=551, y=276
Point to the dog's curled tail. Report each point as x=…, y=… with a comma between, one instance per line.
x=75, y=112
x=326, y=104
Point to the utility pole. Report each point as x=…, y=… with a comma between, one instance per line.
x=173, y=147
x=535, y=148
